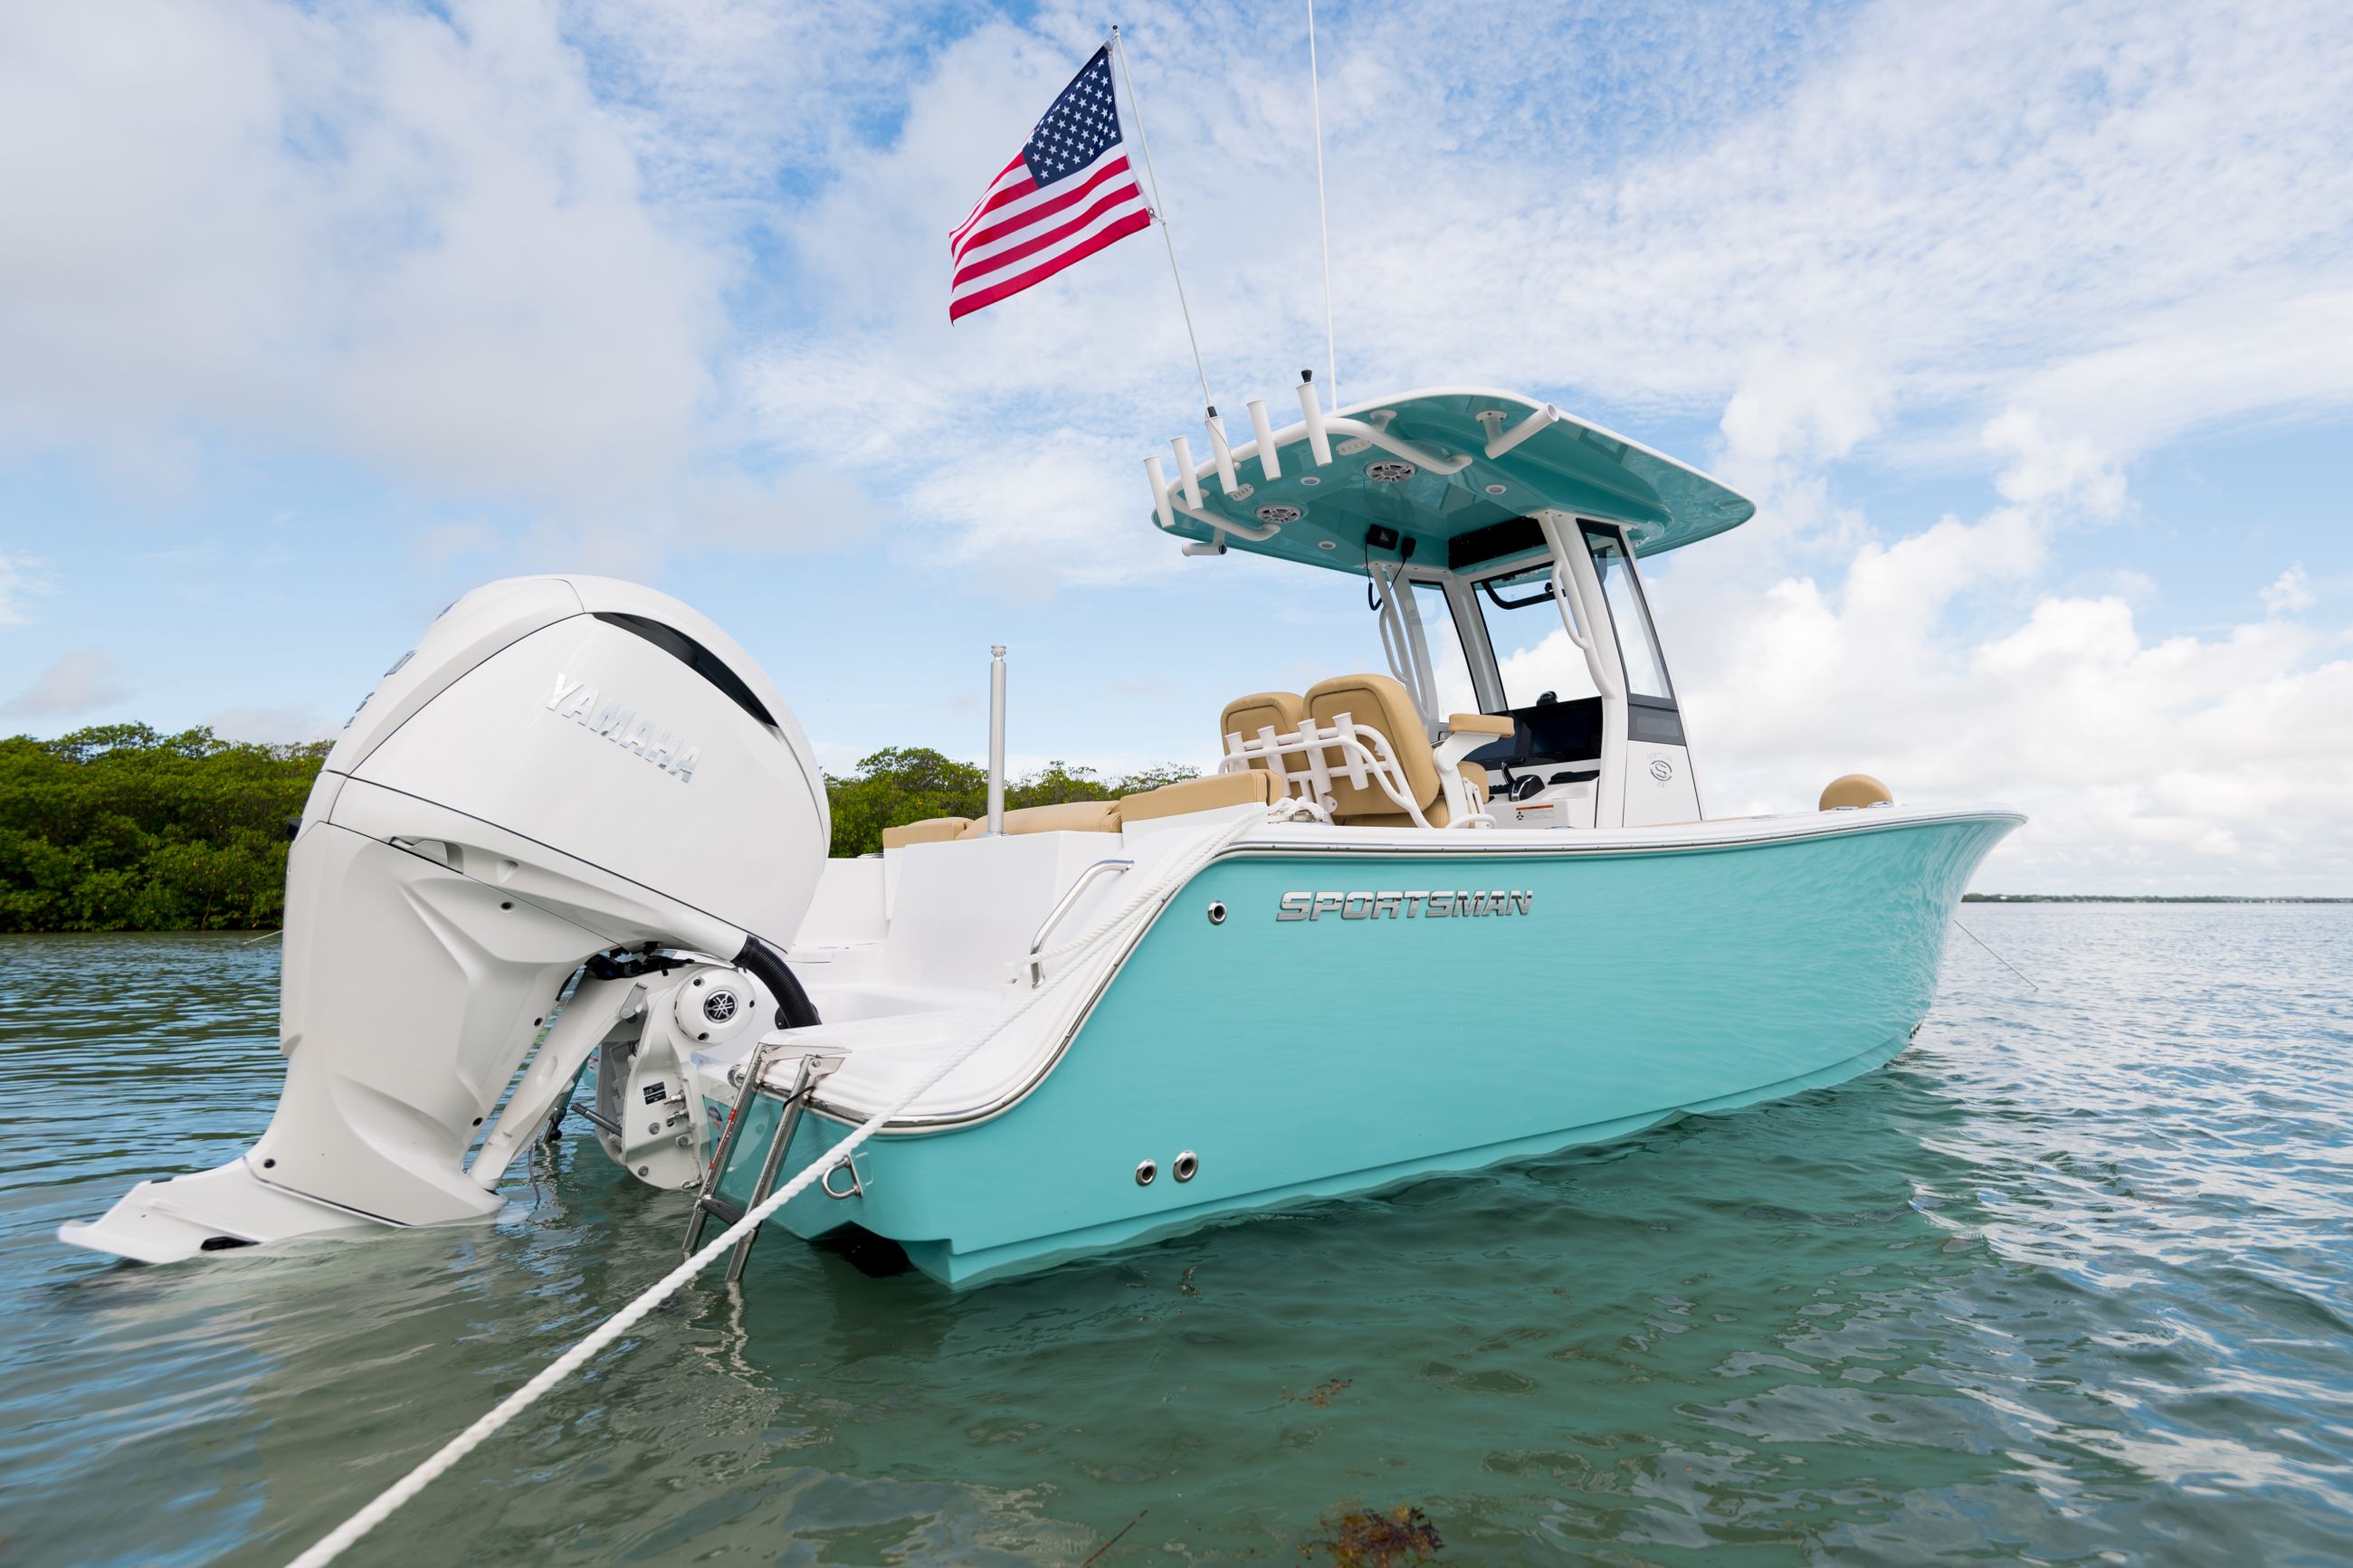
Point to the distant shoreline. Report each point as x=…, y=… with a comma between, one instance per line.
x=2142, y=898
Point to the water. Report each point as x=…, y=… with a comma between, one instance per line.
x=2068, y=1283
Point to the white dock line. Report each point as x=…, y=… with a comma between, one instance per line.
x=345, y=1535
x=1997, y=957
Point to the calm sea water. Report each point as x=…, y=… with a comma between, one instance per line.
x=2071, y=1281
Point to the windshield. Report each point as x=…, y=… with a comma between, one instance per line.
x=1533, y=655
x=1638, y=643
x=1450, y=669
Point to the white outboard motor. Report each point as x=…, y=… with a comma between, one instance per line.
x=563, y=767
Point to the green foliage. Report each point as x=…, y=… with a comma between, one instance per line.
x=907, y=783
x=121, y=828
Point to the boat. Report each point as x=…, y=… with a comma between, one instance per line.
x=1465, y=909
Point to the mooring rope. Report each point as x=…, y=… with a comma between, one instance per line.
x=1997, y=957
x=344, y=1535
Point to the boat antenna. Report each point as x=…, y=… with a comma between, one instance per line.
x=1323, y=223
x=1135, y=113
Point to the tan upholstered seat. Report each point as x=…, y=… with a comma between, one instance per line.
x=1850, y=791
x=1254, y=787
x=1379, y=702
x=1281, y=711
x=1069, y=816
x=931, y=830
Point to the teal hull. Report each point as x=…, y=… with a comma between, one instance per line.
x=1312, y=1058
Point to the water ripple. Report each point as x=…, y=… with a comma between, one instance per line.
x=2068, y=1283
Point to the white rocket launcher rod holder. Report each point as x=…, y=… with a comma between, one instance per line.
x=1221, y=454
x=1318, y=442
x=1500, y=441
x=1186, y=475
x=1262, y=435
x=1183, y=494
x=1158, y=478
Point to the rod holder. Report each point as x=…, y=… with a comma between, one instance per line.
x=1160, y=481
x=1319, y=445
x=1262, y=433
x=1220, y=453
x=1500, y=441
x=997, y=738
x=1183, y=446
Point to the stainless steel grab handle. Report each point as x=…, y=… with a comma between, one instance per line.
x=1061, y=908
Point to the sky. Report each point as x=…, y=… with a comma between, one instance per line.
x=2028, y=326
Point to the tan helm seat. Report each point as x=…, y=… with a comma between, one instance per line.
x=1379, y=702
x=1249, y=717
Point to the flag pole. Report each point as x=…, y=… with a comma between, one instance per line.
x=1135, y=109
x=1323, y=223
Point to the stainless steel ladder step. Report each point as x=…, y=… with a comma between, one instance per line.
x=759, y=1129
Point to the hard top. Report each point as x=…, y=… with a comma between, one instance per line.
x=1542, y=459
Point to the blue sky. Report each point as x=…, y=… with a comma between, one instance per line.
x=2030, y=327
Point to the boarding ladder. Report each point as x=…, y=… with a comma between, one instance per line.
x=759, y=1129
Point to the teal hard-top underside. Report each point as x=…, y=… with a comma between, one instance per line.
x=1461, y=519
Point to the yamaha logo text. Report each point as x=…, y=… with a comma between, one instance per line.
x=576, y=701
x=1418, y=904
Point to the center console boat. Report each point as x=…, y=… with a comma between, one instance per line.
x=1470, y=908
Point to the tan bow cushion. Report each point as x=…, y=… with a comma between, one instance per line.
x=1071, y=817
x=931, y=830
x=1252, y=786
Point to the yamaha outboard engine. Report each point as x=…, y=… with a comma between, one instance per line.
x=563, y=768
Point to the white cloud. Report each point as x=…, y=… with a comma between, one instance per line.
x=2290, y=591
x=21, y=578
x=1811, y=408
x=673, y=274
x=412, y=240
x=74, y=683
x=2040, y=470
x=506, y=249
x=1941, y=663
x=2112, y=219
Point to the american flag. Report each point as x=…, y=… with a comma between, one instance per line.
x=1065, y=195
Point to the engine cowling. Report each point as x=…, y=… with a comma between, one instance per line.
x=563, y=765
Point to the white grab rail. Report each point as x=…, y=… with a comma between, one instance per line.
x=1063, y=907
